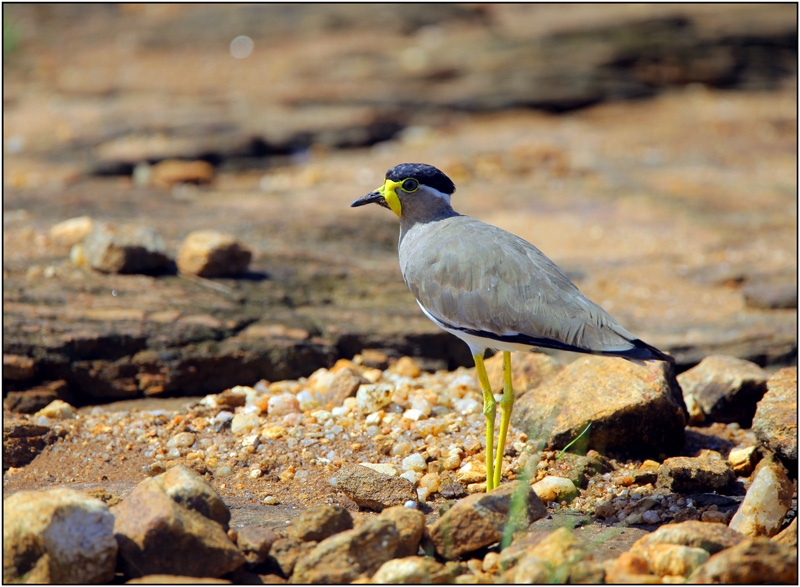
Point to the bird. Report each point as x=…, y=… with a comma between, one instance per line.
x=492, y=289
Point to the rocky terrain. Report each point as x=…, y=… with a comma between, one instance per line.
x=212, y=367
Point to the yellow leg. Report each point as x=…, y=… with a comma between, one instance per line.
x=506, y=404
x=489, y=410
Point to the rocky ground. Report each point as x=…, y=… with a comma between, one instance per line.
x=176, y=224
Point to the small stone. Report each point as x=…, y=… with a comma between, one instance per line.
x=244, y=423
x=552, y=488
x=372, y=490
x=72, y=231
x=766, y=503
x=125, y=249
x=255, y=543
x=169, y=172
x=406, y=367
x=651, y=517
x=57, y=410
x=210, y=253
x=57, y=536
x=283, y=404
x=412, y=570
x=181, y=440
x=694, y=475
x=752, y=561
x=348, y=555
x=775, y=422
x=480, y=519
x=473, y=471
x=344, y=383
x=371, y=397
x=726, y=389
x=414, y=462
x=318, y=523
x=743, y=460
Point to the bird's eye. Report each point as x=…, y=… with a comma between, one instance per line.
x=410, y=185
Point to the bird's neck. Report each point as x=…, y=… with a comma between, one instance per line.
x=412, y=219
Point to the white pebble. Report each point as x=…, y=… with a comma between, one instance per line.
x=371, y=397
x=255, y=474
x=412, y=414
x=244, y=423
x=412, y=476
x=283, y=404
x=270, y=500
x=422, y=493
x=467, y=406
x=414, y=462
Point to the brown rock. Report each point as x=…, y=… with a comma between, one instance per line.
x=22, y=441
x=210, y=253
x=755, y=560
x=743, y=460
x=673, y=559
x=630, y=568
x=692, y=474
x=286, y=552
x=255, y=543
x=725, y=388
x=193, y=492
x=775, y=422
x=481, y=519
x=18, y=367
x=410, y=524
x=157, y=535
x=57, y=536
x=72, y=231
x=34, y=399
x=317, y=523
x=124, y=249
x=169, y=172
x=345, y=384
x=710, y=537
x=348, y=555
x=373, y=490
x=635, y=408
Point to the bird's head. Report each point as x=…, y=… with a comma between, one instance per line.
x=408, y=183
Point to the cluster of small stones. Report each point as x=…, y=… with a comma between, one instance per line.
x=426, y=431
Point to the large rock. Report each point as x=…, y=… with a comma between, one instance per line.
x=634, y=408
x=549, y=560
x=482, y=519
x=725, y=389
x=412, y=570
x=318, y=523
x=187, y=488
x=373, y=490
x=711, y=537
x=695, y=474
x=23, y=440
x=157, y=535
x=756, y=560
x=410, y=524
x=348, y=555
x=57, y=536
x=775, y=422
x=766, y=502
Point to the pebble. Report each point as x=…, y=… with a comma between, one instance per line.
x=766, y=502
x=244, y=423
x=210, y=253
x=371, y=397
x=283, y=404
x=552, y=488
x=72, y=231
x=56, y=410
x=124, y=249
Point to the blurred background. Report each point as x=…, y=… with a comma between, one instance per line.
x=649, y=149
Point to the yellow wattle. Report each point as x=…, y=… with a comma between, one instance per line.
x=389, y=192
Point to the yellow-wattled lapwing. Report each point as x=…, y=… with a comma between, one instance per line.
x=491, y=289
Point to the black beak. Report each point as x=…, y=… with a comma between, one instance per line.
x=371, y=198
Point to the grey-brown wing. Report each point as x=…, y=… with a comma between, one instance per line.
x=479, y=278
